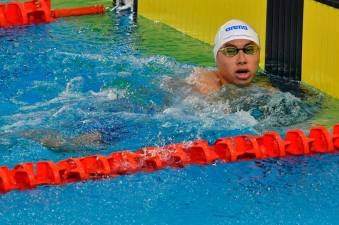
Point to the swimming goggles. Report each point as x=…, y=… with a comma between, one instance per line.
x=233, y=51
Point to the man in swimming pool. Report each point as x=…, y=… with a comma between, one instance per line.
x=237, y=55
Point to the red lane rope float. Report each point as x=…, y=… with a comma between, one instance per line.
x=39, y=11
x=57, y=13
x=246, y=147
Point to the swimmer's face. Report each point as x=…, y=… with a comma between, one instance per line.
x=241, y=68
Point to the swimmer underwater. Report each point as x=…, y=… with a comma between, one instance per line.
x=237, y=56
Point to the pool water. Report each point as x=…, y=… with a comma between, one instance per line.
x=127, y=80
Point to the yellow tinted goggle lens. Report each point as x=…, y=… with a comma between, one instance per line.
x=232, y=51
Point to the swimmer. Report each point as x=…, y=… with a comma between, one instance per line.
x=237, y=55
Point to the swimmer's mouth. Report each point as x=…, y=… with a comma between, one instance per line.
x=243, y=74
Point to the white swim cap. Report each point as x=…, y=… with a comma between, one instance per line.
x=231, y=30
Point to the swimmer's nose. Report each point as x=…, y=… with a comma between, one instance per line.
x=241, y=58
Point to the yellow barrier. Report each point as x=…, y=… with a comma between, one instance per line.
x=201, y=19
x=320, y=65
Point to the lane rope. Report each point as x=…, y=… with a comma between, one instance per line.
x=149, y=159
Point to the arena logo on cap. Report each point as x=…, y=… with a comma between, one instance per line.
x=237, y=27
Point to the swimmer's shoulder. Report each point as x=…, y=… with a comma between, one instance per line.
x=204, y=81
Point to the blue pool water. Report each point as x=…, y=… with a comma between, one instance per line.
x=108, y=74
